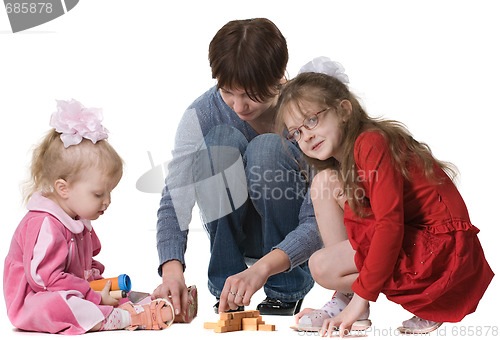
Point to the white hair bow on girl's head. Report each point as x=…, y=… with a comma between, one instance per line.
x=75, y=122
x=326, y=66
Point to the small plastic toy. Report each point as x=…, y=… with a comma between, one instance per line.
x=121, y=282
x=239, y=321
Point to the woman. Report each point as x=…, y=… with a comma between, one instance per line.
x=251, y=193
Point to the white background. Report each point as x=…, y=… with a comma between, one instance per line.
x=431, y=64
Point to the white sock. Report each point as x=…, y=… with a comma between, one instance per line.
x=331, y=309
x=337, y=304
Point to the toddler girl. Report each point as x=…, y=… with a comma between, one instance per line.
x=408, y=229
x=50, y=261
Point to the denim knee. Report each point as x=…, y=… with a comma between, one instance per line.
x=268, y=151
x=272, y=160
x=225, y=135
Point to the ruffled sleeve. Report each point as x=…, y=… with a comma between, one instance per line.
x=384, y=186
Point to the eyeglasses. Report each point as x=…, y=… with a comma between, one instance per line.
x=309, y=123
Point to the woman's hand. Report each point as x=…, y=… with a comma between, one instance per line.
x=173, y=286
x=239, y=289
x=343, y=322
x=106, y=298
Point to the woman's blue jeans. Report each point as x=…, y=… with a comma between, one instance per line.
x=249, y=195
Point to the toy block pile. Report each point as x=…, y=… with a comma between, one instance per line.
x=239, y=321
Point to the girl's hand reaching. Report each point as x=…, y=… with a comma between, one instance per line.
x=106, y=298
x=343, y=322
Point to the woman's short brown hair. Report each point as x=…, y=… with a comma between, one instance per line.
x=251, y=55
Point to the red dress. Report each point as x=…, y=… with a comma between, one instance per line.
x=418, y=246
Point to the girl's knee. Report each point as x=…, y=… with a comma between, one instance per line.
x=329, y=266
x=318, y=266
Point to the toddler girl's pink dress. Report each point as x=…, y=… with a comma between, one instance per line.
x=47, y=270
x=417, y=246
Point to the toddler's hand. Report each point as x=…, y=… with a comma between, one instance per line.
x=106, y=298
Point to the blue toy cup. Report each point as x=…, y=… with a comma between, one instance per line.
x=124, y=283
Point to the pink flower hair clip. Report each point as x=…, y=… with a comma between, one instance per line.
x=75, y=122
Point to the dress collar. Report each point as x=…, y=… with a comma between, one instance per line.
x=38, y=202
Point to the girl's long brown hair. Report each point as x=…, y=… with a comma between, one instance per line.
x=330, y=92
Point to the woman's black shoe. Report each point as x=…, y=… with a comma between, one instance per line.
x=277, y=307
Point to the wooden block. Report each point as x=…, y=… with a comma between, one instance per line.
x=250, y=327
x=251, y=321
x=246, y=314
x=232, y=322
x=237, y=321
x=210, y=325
x=229, y=323
x=225, y=329
x=234, y=328
x=240, y=315
x=264, y=327
x=226, y=316
x=237, y=315
x=220, y=329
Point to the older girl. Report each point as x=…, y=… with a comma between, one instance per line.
x=409, y=233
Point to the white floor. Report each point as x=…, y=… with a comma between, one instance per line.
x=386, y=316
